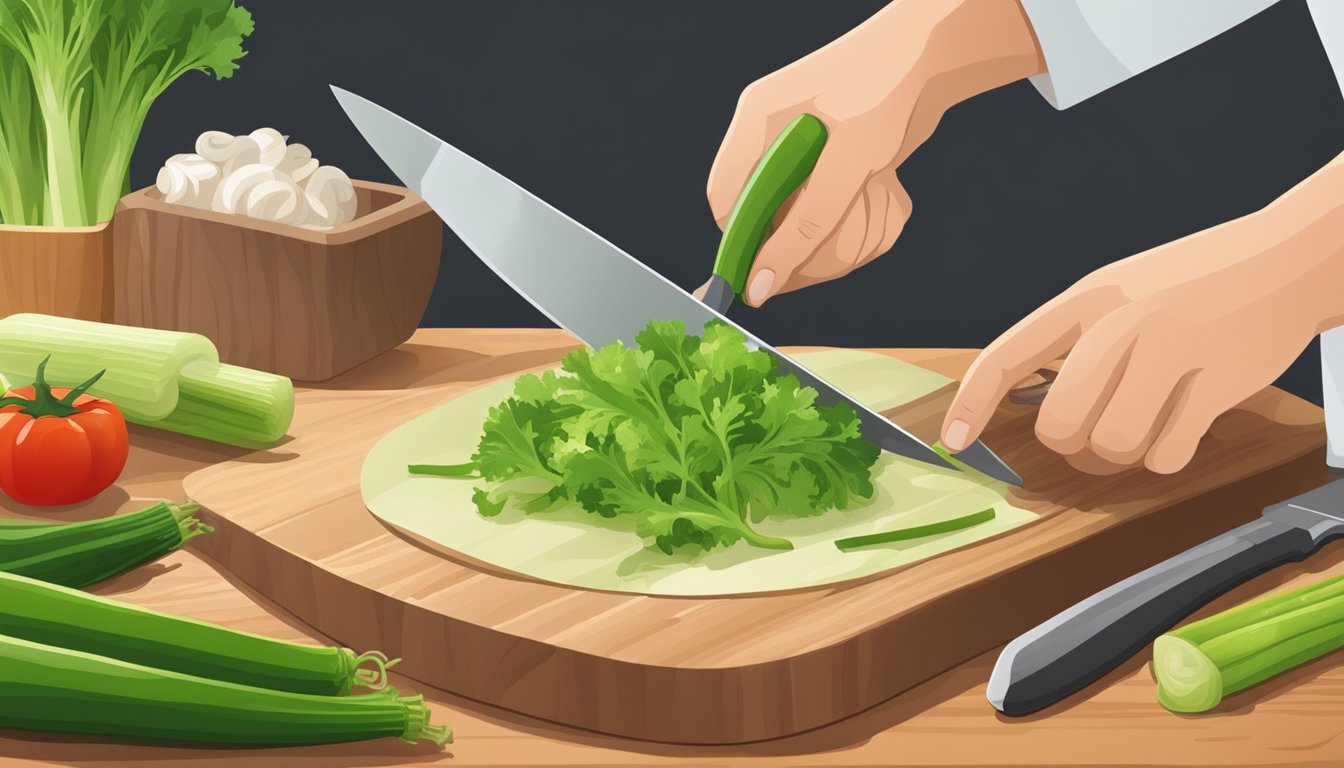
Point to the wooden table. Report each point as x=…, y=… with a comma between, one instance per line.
x=1295, y=720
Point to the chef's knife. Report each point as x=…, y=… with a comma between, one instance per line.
x=580, y=281
x=1093, y=637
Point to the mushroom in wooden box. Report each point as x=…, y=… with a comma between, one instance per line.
x=286, y=264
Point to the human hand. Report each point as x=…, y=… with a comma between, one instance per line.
x=880, y=89
x=1160, y=344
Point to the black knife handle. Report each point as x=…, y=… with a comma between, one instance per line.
x=1094, y=636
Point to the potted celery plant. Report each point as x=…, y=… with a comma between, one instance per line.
x=77, y=78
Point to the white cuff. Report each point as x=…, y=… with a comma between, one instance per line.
x=1091, y=45
x=1332, y=394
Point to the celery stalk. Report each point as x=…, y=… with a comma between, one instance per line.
x=164, y=379
x=1200, y=663
x=231, y=404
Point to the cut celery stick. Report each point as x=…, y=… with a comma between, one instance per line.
x=1200, y=663
x=164, y=379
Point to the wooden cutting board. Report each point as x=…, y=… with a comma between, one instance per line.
x=704, y=670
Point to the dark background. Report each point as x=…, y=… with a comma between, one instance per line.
x=613, y=110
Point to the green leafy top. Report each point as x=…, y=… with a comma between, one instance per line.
x=695, y=438
x=77, y=78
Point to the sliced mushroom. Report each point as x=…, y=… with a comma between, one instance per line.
x=298, y=162
x=278, y=200
x=228, y=152
x=231, y=197
x=333, y=193
x=271, y=145
x=188, y=179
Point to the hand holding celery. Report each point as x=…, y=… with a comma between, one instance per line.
x=1202, y=662
x=163, y=379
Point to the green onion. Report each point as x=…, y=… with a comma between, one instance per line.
x=164, y=379
x=443, y=470
x=1200, y=663
x=79, y=554
x=67, y=618
x=45, y=688
x=916, y=531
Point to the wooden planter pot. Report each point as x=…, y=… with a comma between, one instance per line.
x=63, y=271
x=303, y=303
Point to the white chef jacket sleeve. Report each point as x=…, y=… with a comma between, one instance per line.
x=1091, y=45
x=1328, y=16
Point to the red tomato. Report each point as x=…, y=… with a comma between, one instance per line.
x=50, y=459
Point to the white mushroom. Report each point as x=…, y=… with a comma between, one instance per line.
x=188, y=179
x=330, y=191
x=259, y=175
x=231, y=197
x=228, y=152
x=298, y=162
x=277, y=200
x=271, y=145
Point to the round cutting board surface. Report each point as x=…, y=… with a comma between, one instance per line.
x=575, y=548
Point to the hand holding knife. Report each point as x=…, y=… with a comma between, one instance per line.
x=595, y=290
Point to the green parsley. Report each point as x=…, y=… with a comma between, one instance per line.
x=695, y=438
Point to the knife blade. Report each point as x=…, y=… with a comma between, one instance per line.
x=1086, y=641
x=579, y=280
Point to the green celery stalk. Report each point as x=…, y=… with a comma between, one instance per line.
x=78, y=77
x=164, y=379
x=230, y=404
x=23, y=181
x=1199, y=664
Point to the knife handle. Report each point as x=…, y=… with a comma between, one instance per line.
x=1093, y=637
x=782, y=169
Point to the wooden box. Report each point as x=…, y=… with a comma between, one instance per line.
x=304, y=303
x=64, y=271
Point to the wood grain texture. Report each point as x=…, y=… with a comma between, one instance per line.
x=726, y=670
x=65, y=271
x=944, y=721
x=308, y=304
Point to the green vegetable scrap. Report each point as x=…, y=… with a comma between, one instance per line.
x=77, y=78
x=1200, y=663
x=917, y=531
x=695, y=438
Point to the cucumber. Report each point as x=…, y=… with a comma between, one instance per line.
x=79, y=554
x=44, y=688
x=67, y=618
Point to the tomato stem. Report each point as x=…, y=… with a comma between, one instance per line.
x=44, y=402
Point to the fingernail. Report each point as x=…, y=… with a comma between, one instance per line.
x=759, y=290
x=954, y=438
